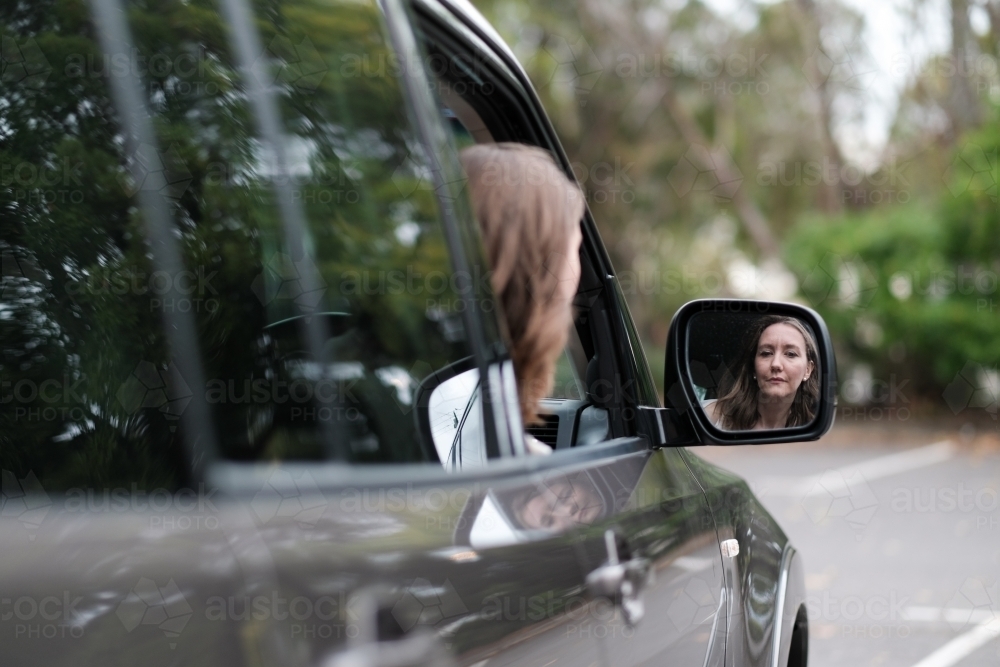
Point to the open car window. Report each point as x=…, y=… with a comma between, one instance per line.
x=475, y=108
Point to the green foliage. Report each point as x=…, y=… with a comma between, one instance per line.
x=912, y=290
x=759, y=86
x=972, y=215
x=84, y=362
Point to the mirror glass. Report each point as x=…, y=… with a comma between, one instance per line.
x=754, y=371
x=455, y=415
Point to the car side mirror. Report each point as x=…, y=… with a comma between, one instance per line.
x=751, y=372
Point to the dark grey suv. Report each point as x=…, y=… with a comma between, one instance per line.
x=257, y=407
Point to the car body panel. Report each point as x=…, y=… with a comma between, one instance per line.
x=765, y=581
x=316, y=564
x=667, y=522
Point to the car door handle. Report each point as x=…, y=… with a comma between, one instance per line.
x=418, y=648
x=620, y=582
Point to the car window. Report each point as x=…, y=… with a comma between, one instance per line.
x=91, y=389
x=571, y=416
x=468, y=128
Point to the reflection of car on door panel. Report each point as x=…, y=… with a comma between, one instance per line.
x=263, y=411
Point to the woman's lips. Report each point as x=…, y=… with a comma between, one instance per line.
x=775, y=380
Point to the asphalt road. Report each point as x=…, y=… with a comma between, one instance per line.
x=900, y=532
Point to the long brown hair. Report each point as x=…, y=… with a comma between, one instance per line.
x=738, y=404
x=526, y=208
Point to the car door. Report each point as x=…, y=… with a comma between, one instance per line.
x=110, y=544
x=487, y=561
x=680, y=613
x=212, y=335
x=660, y=515
x=214, y=343
x=500, y=571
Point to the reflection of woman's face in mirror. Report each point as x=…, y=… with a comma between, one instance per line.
x=775, y=382
x=559, y=506
x=781, y=363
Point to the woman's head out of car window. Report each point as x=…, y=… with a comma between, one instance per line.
x=776, y=383
x=529, y=213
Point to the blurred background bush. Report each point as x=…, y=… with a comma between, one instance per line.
x=761, y=150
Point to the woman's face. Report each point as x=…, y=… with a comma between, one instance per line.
x=781, y=364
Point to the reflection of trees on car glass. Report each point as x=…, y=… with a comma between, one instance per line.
x=97, y=397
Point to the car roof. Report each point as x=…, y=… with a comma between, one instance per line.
x=468, y=14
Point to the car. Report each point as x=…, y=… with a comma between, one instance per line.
x=245, y=318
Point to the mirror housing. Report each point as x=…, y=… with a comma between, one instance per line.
x=686, y=399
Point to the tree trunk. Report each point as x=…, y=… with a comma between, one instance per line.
x=831, y=199
x=754, y=222
x=964, y=108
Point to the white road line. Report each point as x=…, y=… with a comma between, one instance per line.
x=883, y=466
x=962, y=645
x=916, y=614
x=692, y=564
